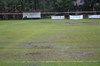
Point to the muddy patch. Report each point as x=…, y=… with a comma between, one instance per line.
x=8, y=55
x=34, y=45
x=80, y=54
x=71, y=23
x=34, y=53
x=60, y=54
x=42, y=45
x=47, y=55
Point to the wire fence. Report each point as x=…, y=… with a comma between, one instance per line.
x=7, y=16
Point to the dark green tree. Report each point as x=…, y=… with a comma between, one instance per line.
x=64, y=5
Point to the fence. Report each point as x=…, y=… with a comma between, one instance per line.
x=10, y=16
x=6, y=16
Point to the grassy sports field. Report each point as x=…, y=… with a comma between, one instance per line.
x=46, y=42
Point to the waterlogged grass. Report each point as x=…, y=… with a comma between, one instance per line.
x=50, y=40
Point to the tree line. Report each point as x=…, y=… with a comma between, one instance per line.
x=48, y=5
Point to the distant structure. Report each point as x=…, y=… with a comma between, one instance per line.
x=79, y=2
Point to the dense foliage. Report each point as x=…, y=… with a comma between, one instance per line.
x=47, y=5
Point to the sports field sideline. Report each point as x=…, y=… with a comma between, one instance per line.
x=46, y=42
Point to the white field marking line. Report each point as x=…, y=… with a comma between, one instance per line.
x=47, y=61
